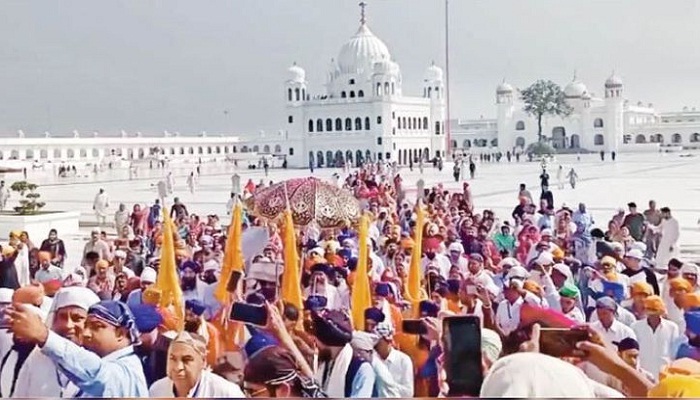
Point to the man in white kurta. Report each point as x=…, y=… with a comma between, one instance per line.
x=611, y=330
x=100, y=206
x=658, y=337
x=40, y=377
x=670, y=233
x=4, y=195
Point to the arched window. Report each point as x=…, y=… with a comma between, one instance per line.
x=640, y=139
x=348, y=124
x=425, y=122
x=598, y=140
x=366, y=123
x=289, y=94
x=386, y=88
x=676, y=138
x=352, y=94
x=437, y=127
x=291, y=151
x=256, y=149
x=319, y=125
x=379, y=89
x=296, y=94
x=520, y=126
x=695, y=137
x=266, y=148
x=360, y=93
x=311, y=125
x=494, y=142
x=244, y=149
x=393, y=88
x=415, y=123
x=303, y=94
x=329, y=125
x=403, y=122
x=466, y=144
x=410, y=124
x=358, y=124
x=338, y=124
x=343, y=94
x=400, y=125
x=430, y=91
x=598, y=123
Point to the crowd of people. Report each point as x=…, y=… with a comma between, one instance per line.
x=104, y=323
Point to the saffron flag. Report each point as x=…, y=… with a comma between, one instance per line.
x=291, y=286
x=168, y=280
x=414, y=278
x=361, y=295
x=233, y=253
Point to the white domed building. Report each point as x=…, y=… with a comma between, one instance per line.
x=609, y=123
x=363, y=114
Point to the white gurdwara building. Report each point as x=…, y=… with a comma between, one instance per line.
x=610, y=123
x=363, y=115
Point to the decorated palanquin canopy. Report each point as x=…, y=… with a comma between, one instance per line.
x=310, y=200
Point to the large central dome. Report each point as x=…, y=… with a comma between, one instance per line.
x=359, y=54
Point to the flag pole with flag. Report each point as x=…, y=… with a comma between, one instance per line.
x=291, y=287
x=361, y=296
x=168, y=281
x=413, y=291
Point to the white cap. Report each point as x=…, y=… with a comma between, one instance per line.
x=517, y=272
x=545, y=258
x=635, y=253
x=119, y=254
x=546, y=232
x=318, y=251
x=74, y=296
x=641, y=246
x=211, y=265
x=6, y=295
x=508, y=261
x=563, y=269
x=264, y=271
x=149, y=275
x=456, y=247
x=690, y=268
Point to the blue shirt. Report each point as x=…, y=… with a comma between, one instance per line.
x=363, y=382
x=119, y=374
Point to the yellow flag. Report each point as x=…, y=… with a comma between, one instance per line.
x=361, y=296
x=291, y=286
x=414, y=278
x=233, y=254
x=168, y=281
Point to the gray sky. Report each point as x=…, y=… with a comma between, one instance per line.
x=177, y=65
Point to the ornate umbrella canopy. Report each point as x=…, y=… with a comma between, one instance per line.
x=310, y=199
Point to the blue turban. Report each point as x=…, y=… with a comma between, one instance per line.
x=189, y=264
x=315, y=302
x=258, y=341
x=428, y=308
x=382, y=289
x=352, y=263
x=117, y=314
x=343, y=272
x=324, y=268
x=374, y=314
x=453, y=285
x=311, y=244
x=196, y=306
x=345, y=253
x=692, y=321
x=147, y=317
x=332, y=328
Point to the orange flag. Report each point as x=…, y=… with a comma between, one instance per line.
x=361, y=295
x=233, y=253
x=414, y=278
x=291, y=287
x=168, y=281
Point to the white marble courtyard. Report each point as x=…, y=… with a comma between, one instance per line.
x=670, y=179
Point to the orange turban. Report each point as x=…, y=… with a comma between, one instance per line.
x=532, y=287
x=607, y=260
x=691, y=300
x=170, y=322
x=558, y=254
x=8, y=250
x=102, y=264
x=641, y=287
x=151, y=296
x=44, y=256
x=680, y=284
x=182, y=253
x=682, y=366
x=654, y=305
x=407, y=243
x=52, y=286
x=32, y=294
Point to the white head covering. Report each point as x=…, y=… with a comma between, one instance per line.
x=536, y=375
x=6, y=295
x=456, y=247
x=363, y=340
x=73, y=296
x=211, y=265
x=491, y=344
x=149, y=275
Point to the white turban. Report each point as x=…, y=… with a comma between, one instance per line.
x=491, y=344
x=73, y=296
x=363, y=340
x=149, y=275
x=531, y=375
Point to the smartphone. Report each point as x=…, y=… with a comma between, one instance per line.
x=248, y=313
x=561, y=342
x=4, y=320
x=471, y=289
x=414, y=327
x=462, y=355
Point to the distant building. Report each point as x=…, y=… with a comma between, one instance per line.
x=608, y=124
x=363, y=115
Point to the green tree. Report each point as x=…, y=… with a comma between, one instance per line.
x=29, y=201
x=544, y=98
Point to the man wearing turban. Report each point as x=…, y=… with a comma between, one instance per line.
x=106, y=366
x=399, y=363
x=47, y=271
x=195, y=323
x=658, y=337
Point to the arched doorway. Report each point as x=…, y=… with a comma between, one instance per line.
x=339, y=158
x=348, y=156
x=575, y=141
x=426, y=154
x=311, y=158
x=368, y=156
x=358, y=158
x=559, y=137
x=520, y=142
x=640, y=139
x=329, y=159
x=319, y=159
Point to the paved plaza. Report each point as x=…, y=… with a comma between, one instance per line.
x=670, y=179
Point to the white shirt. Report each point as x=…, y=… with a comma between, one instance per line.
x=400, y=366
x=656, y=348
x=617, y=332
x=508, y=315
x=209, y=385
x=443, y=262
x=576, y=315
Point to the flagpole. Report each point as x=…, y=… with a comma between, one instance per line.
x=448, y=130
